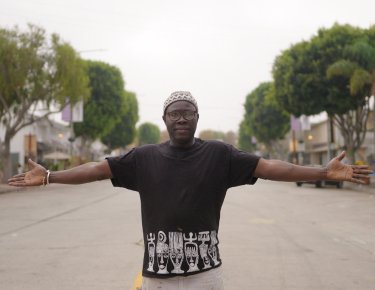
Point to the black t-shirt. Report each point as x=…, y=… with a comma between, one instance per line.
x=181, y=192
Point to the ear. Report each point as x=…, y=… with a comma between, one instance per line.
x=163, y=117
x=197, y=116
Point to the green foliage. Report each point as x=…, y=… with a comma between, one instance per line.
x=360, y=82
x=342, y=67
x=148, y=133
x=245, y=138
x=332, y=72
x=362, y=52
x=124, y=131
x=35, y=71
x=229, y=137
x=71, y=72
x=312, y=77
x=211, y=135
x=265, y=119
x=104, y=109
x=296, y=71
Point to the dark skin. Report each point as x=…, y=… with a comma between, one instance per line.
x=181, y=133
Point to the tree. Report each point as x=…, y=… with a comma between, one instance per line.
x=246, y=140
x=123, y=133
x=105, y=107
x=266, y=120
x=331, y=73
x=36, y=74
x=371, y=35
x=164, y=136
x=212, y=135
x=148, y=133
x=228, y=137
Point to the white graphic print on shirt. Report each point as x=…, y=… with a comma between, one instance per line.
x=151, y=252
x=212, y=251
x=191, y=252
x=203, y=248
x=176, y=251
x=182, y=249
x=162, y=253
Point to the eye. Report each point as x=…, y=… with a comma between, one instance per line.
x=189, y=115
x=174, y=115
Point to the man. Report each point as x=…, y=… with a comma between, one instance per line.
x=182, y=185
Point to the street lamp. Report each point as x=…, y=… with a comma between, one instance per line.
x=71, y=140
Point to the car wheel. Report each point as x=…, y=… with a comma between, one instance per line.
x=318, y=184
x=339, y=185
x=299, y=184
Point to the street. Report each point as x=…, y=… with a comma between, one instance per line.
x=273, y=235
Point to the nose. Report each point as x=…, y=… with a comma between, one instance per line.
x=181, y=120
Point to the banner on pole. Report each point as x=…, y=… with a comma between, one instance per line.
x=73, y=114
x=295, y=124
x=77, y=112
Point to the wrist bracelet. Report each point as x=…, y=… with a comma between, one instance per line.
x=48, y=174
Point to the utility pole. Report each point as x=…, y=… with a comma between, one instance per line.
x=294, y=125
x=330, y=137
x=72, y=137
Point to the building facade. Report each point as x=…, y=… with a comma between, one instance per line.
x=322, y=140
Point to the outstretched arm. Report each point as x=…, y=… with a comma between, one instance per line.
x=335, y=170
x=37, y=174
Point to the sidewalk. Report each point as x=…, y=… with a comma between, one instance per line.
x=4, y=188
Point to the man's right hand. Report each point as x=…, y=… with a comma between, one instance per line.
x=34, y=177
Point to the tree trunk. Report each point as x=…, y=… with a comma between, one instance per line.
x=5, y=156
x=352, y=126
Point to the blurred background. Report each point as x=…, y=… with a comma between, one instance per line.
x=81, y=80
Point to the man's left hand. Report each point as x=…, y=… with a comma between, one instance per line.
x=336, y=170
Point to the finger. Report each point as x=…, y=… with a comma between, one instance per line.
x=361, y=176
x=18, y=184
x=363, y=171
x=16, y=178
x=341, y=156
x=18, y=175
x=361, y=167
x=15, y=181
x=359, y=181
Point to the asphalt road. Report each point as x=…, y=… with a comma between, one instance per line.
x=273, y=236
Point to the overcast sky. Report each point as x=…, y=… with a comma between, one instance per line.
x=218, y=50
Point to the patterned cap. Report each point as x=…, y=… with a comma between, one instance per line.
x=180, y=96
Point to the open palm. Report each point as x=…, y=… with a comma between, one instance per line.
x=33, y=177
x=336, y=170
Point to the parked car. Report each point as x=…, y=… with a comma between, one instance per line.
x=321, y=183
